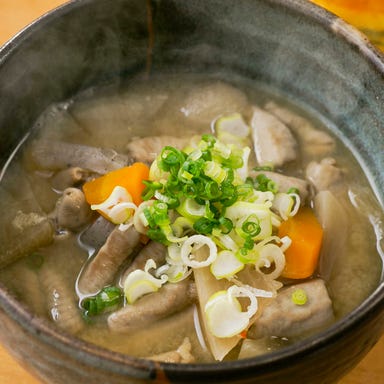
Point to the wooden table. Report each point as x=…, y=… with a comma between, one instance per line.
x=15, y=14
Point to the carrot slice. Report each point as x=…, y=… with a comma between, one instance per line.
x=302, y=256
x=131, y=178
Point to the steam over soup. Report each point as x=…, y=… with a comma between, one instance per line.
x=185, y=220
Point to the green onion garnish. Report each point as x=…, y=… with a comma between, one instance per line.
x=106, y=299
x=299, y=297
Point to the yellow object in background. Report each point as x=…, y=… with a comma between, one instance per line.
x=367, y=15
x=16, y=14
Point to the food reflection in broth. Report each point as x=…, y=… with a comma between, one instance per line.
x=187, y=220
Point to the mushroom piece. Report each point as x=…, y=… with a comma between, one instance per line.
x=71, y=177
x=101, y=269
x=273, y=142
x=72, y=210
x=284, y=318
x=169, y=299
x=146, y=149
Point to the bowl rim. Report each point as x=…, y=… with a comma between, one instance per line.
x=123, y=363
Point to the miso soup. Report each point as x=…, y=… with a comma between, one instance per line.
x=188, y=219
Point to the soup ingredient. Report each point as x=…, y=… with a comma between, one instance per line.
x=148, y=148
x=323, y=174
x=96, y=234
x=299, y=297
x=225, y=317
x=153, y=250
x=273, y=142
x=57, y=155
x=171, y=298
x=71, y=177
x=284, y=318
x=131, y=178
x=27, y=233
x=72, y=210
x=306, y=234
x=232, y=129
x=61, y=300
x=285, y=183
x=181, y=355
x=199, y=106
x=118, y=207
x=334, y=221
x=206, y=286
x=313, y=141
x=102, y=268
x=106, y=300
x=141, y=282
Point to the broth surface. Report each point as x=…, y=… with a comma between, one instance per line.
x=181, y=106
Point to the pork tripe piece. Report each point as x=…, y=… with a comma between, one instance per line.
x=169, y=299
x=62, y=303
x=285, y=318
x=153, y=250
x=97, y=233
x=57, y=155
x=273, y=142
x=313, y=141
x=26, y=233
x=102, y=268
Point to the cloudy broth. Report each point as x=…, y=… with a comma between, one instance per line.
x=181, y=106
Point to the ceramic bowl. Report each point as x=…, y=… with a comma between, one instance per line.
x=291, y=45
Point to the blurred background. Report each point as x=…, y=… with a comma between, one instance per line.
x=367, y=15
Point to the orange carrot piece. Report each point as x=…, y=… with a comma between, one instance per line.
x=131, y=178
x=302, y=256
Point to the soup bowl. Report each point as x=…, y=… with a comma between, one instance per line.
x=293, y=46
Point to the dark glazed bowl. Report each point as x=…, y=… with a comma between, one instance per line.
x=291, y=45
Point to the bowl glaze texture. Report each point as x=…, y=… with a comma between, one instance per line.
x=305, y=52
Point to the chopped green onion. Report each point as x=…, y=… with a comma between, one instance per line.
x=150, y=188
x=251, y=226
x=293, y=190
x=299, y=297
x=266, y=168
x=203, y=226
x=209, y=139
x=106, y=299
x=264, y=184
x=225, y=225
x=215, y=171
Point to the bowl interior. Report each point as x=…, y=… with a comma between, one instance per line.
x=278, y=43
